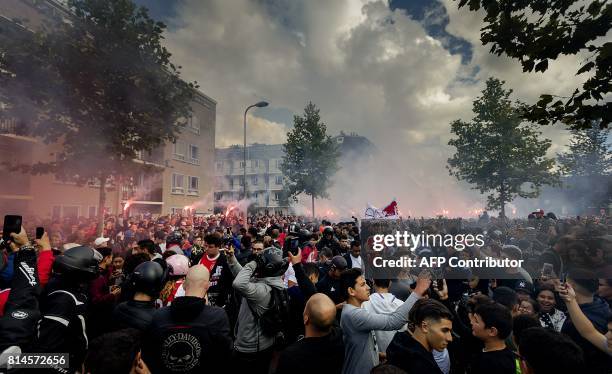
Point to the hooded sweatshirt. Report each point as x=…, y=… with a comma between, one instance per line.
x=256, y=293
x=383, y=303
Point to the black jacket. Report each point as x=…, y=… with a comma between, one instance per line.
x=408, y=354
x=134, y=314
x=220, y=291
x=332, y=244
x=332, y=288
x=62, y=326
x=313, y=355
x=597, y=312
x=188, y=337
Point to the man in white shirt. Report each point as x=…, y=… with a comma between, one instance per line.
x=353, y=256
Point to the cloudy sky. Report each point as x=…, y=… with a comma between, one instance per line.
x=397, y=72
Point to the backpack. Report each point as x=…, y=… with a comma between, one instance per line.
x=274, y=322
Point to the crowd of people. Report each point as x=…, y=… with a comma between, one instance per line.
x=283, y=294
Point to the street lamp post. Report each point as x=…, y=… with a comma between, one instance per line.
x=260, y=104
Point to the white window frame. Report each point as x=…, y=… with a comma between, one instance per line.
x=194, y=160
x=190, y=190
x=175, y=189
x=277, y=196
x=179, y=150
x=255, y=163
x=276, y=180
x=254, y=180
x=95, y=211
x=194, y=125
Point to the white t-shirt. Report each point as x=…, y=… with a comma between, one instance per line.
x=356, y=261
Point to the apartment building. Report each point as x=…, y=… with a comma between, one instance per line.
x=264, y=179
x=186, y=175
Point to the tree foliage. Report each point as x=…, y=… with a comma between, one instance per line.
x=102, y=86
x=589, y=154
x=535, y=32
x=311, y=156
x=497, y=153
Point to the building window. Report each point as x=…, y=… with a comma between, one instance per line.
x=70, y=211
x=92, y=212
x=194, y=154
x=277, y=196
x=179, y=151
x=255, y=163
x=193, y=185
x=56, y=212
x=193, y=123
x=241, y=181
x=254, y=180
x=231, y=183
x=241, y=164
x=267, y=180
x=277, y=163
x=219, y=165
x=256, y=195
x=279, y=180
x=218, y=196
x=178, y=183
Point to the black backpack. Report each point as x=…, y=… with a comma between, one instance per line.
x=274, y=322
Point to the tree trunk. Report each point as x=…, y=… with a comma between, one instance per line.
x=313, y=212
x=502, y=198
x=101, y=204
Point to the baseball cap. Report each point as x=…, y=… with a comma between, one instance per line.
x=524, y=286
x=339, y=263
x=101, y=240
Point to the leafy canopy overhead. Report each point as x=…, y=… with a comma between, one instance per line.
x=102, y=86
x=538, y=31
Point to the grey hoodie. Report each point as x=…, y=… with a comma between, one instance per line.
x=256, y=292
x=383, y=303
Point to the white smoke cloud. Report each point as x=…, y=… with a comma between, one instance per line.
x=368, y=69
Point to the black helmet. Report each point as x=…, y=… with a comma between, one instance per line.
x=78, y=261
x=149, y=278
x=294, y=229
x=174, y=237
x=271, y=263
x=328, y=231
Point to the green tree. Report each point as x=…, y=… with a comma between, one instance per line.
x=497, y=153
x=589, y=154
x=102, y=86
x=535, y=32
x=311, y=157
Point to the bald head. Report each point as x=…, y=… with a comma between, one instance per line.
x=319, y=313
x=197, y=281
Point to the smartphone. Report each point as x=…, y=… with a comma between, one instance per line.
x=440, y=284
x=40, y=231
x=547, y=270
x=12, y=224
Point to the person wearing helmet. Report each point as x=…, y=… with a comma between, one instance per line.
x=254, y=282
x=64, y=305
x=328, y=240
x=146, y=281
x=178, y=265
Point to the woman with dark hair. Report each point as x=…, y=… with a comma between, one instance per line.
x=550, y=317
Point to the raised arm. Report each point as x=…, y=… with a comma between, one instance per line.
x=581, y=322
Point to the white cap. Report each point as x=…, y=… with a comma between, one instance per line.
x=101, y=240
